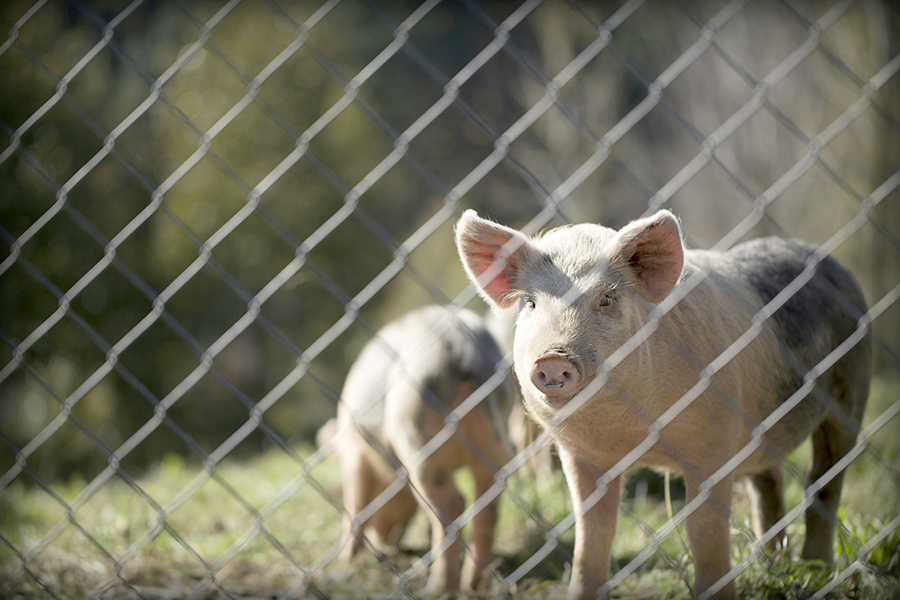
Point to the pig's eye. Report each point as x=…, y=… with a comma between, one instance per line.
x=529, y=302
x=605, y=301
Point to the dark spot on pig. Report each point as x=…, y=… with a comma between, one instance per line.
x=440, y=477
x=829, y=302
x=811, y=408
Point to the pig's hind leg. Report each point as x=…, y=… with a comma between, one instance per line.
x=847, y=390
x=363, y=482
x=359, y=481
x=831, y=442
x=766, y=490
x=443, y=503
x=484, y=463
x=390, y=521
x=434, y=488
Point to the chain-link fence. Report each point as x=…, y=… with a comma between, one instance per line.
x=209, y=208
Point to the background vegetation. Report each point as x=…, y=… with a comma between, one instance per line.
x=69, y=353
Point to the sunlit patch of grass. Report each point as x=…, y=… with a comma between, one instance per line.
x=299, y=530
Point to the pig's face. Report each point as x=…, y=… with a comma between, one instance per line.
x=582, y=291
x=574, y=311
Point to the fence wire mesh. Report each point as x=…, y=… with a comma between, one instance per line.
x=208, y=209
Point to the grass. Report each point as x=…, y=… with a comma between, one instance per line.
x=301, y=529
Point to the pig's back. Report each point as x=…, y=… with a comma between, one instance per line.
x=461, y=349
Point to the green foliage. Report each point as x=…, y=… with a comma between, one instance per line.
x=160, y=150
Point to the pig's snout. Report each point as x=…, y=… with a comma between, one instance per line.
x=556, y=376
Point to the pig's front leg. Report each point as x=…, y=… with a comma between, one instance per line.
x=707, y=529
x=595, y=527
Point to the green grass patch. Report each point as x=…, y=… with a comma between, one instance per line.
x=292, y=549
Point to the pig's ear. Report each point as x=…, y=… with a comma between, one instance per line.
x=650, y=249
x=493, y=255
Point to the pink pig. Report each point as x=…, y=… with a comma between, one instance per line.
x=395, y=401
x=583, y=291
